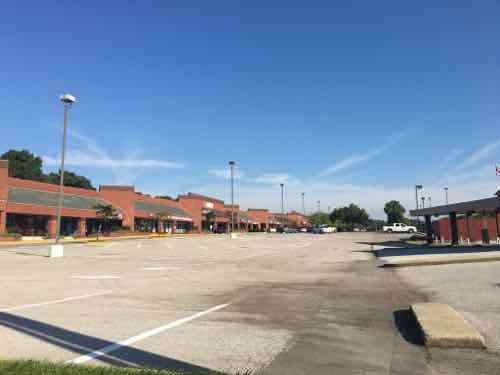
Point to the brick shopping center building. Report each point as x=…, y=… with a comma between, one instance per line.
x=30, y=208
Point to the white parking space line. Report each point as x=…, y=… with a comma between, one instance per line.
x=113, y=347
x=152, y=268
x=53, y=302
x=98, y=277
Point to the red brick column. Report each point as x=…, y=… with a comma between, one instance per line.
x=52, y=226
x=174, y=226
x=3, y=221
x=82, y=227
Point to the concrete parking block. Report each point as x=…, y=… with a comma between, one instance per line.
x=442, y=326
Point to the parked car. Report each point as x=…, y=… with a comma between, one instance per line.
x=399, y=228
x=316, y=230
x=290, y=230
x=303, y=230
x=325, y=228
x=272, y=230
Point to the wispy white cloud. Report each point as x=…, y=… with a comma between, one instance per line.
x=485, y=152
x=360, y=158
x=225, y=173
x=277, y=178
x=88, y=153
x=81, y=159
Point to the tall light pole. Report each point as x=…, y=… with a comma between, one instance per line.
x=67, y=101
x=423, y=202
x=231, y=165
x=446, y=194
x=329, y=209
x=304, y=204
x=282, y=203
x=417, y=188
x=430, y=201
x=319, y=205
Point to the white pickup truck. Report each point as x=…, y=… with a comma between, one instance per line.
x=399, y=228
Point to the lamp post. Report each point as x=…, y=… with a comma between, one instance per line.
x=304, y=204
x=231, y=165
x=67, y=101
x=446, y=194
x=430, y=201
x=417, y=188
x=282, y=185
x=423, y=202
x=319, y=205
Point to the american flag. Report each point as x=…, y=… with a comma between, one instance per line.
x=497, y=169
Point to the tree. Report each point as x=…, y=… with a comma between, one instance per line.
x=160, y=217
x=70, y=179
x=105, y=212
x=319, y=218
x=349, y=217
x=23, y=164
x=395, y=212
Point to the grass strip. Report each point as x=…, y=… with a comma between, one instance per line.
x=33, y=367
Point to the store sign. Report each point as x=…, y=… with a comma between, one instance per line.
x=208, y=204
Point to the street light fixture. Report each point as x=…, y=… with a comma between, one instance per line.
x=282, y=203
x=417, y=188
x=67, y=100
x=231, y=165
x=303, y=204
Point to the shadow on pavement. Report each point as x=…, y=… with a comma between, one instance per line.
x=407, y=326
x=83, y=344
x=392, y=243
x=429, y=250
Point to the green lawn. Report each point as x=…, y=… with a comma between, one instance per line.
x=31, y=367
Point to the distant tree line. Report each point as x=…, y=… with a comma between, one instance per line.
x=23, y=164
x=353, y=217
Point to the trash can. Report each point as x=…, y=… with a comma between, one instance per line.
x=485, y=235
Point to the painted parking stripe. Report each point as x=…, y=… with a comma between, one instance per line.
x=53, y=302
x=111, y=348
x=98, y=277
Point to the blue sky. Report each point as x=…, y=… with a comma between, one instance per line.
x=351, y=102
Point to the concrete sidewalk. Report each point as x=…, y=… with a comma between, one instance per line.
x=436, y=259
x=92, y=239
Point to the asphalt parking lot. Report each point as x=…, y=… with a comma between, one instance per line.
x=266, y=303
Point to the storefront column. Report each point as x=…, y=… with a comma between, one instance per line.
x=174, y=226
x=454, y=228
x=428, y=228
x=3, y=221
x=497, y=212
x=82, y=227
x=467, y=226
x=52, y=226
x=161, y=226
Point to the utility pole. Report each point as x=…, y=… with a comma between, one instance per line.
x=282, y=204
x=67, y=100
x=423, y=202
x=303, y=204
x=231, y=165
x=446, y=194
